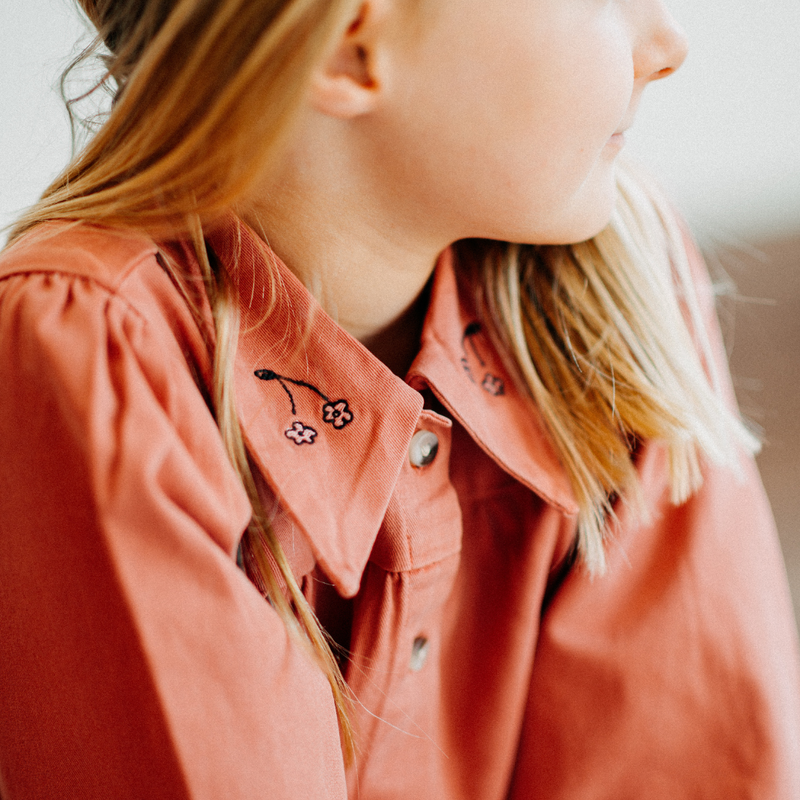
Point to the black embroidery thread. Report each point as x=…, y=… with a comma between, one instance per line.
x=465, y=366
x=336, y=413
x=471, y=330
x=491, y=384
x=300, y=433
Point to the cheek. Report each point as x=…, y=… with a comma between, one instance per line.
x=543, y=93
x=507, y=138
x=576, y=97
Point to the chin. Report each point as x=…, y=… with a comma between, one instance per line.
x=568, y=234
x=584, y=222
x=584, y=233
x=575, y=218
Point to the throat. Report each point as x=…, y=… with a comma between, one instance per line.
x=397, y=344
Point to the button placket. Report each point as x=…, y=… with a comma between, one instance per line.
x=418, y=548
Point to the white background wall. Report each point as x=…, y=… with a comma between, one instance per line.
x=37, y=39
x=722, y=134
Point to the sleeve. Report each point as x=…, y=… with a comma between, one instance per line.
x=137, y=660
x=676, y=673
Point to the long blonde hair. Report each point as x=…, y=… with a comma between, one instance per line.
x=606, y=337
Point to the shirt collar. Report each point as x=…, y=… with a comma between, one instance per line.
x=329, y=425
x=459, y=362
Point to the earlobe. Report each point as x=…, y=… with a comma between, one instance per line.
x=346, y=85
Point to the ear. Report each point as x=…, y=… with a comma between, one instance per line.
x=346, y=85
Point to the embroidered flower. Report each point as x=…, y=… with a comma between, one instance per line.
x=493, y=385
x=301, y=434
x=337, y=413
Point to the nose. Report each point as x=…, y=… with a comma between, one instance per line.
x=661, y=44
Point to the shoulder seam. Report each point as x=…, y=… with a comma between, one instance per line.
x=111, y=292
x=124, y=274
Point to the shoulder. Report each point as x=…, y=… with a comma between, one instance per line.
x=97, y=283
x=94, y=336
x=103, y=255
x=107, y=368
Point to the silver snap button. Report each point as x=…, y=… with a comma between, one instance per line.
x=423, y=448
x=419, y=653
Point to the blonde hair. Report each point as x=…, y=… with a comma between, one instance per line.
x=606, y=336
x=609, y=339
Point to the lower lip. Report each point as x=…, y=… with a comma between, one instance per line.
x=617, y=141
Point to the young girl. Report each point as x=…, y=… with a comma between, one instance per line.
x=331, y=465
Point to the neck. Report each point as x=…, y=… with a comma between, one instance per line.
x=398, y=343
x=368, y=272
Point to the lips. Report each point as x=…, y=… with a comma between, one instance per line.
x=616, y=141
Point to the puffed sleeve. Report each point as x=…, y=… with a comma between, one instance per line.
x=137, y=660
x=676, y=674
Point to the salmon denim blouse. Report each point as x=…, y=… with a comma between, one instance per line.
x=430, y=524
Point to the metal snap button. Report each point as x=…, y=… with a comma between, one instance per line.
x=419, y=653
x=423, y=448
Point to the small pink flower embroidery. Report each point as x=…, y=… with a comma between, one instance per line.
x=493, y=385
x=337, y=413
x=301, y=434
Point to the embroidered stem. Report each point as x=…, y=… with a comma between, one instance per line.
x=271, y=375
x=291, y=398
x=471, y=330
x=334, y=412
